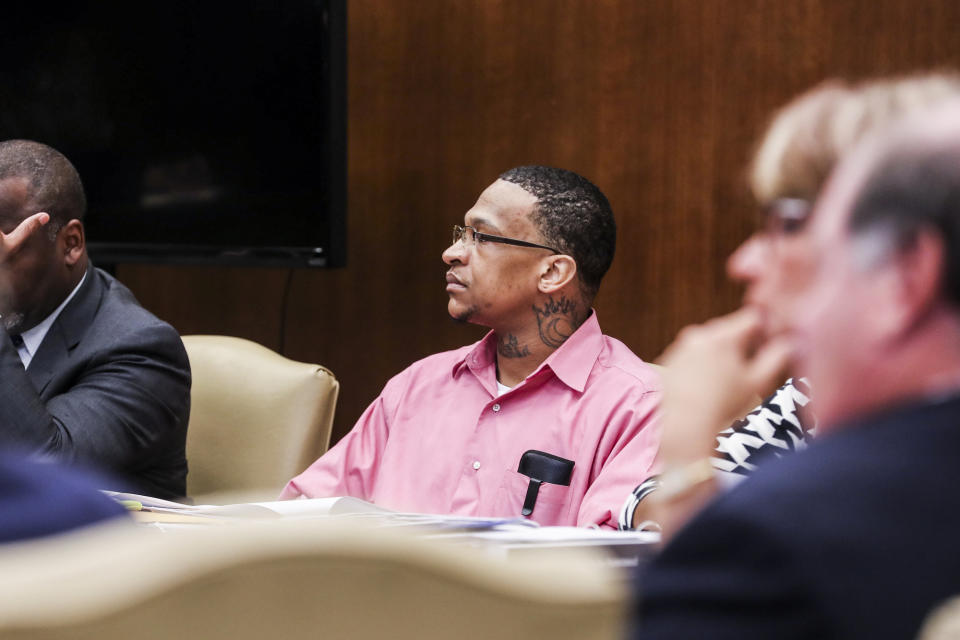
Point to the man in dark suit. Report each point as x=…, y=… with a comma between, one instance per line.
x=87, y=374
x=857, y=536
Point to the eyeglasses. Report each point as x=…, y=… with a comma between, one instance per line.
x=469, y=235
x=786, y=216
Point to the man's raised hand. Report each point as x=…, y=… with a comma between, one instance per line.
x=11, y=242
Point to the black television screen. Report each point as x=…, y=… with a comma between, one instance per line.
x=203, y=131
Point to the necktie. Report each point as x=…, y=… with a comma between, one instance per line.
x=16, y=340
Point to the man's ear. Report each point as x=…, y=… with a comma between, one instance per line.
x=73, y=242
x=556, y=273
x=917, y=283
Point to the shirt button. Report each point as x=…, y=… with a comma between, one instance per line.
x=476, y=464
x=496, y=407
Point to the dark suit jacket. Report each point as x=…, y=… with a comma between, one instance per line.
x=109, y=386
x=856, y=537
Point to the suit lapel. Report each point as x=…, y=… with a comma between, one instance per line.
x=66, y=331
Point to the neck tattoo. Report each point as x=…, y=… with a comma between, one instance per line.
x=509, y=347
x=556, y=321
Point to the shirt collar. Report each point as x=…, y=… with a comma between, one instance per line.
x=479, y=357
x=33, y=337
x=571, y=363
x=574, y=360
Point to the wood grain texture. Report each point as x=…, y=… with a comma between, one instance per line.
x=659, y=102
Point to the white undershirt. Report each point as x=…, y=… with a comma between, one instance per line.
x=502, y=388
x=33, y=337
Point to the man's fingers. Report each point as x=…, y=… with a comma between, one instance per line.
x=739, y=330
x=769, y=364
x=26, y=228
x=745, y=326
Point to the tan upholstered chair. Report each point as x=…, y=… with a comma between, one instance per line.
x=296, y=580
x=943, y=623
x=256, y=418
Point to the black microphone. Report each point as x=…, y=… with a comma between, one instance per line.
x=542, y=467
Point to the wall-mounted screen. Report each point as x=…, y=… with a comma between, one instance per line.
x=205, y=132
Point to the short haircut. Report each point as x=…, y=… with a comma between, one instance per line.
x=910, y=192
x=809, y=135
x=54, y=184
x=573, y=216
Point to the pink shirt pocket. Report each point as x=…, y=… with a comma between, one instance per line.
x=552, y=500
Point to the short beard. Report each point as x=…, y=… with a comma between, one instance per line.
x=12, y=322
x=463, y=318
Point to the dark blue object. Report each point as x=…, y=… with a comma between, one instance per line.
x=39, y=499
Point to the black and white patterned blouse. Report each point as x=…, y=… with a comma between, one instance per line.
x=780, y=424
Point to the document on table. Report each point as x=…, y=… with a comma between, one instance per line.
x=343, y=506
x=625, y=549
x=502, y=536
x=567, y=536
x=306, y=507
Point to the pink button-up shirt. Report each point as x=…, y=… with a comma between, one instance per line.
x=440, y=440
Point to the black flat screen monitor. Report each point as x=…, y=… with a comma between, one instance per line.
x=204, y=131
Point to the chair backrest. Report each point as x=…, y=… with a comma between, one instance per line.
x=256, y=419
x=297, y=580
x=943, y=623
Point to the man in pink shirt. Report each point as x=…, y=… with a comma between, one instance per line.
x=447, y=434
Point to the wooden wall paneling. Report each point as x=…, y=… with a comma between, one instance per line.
x=659, y=102
x=221, y=300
